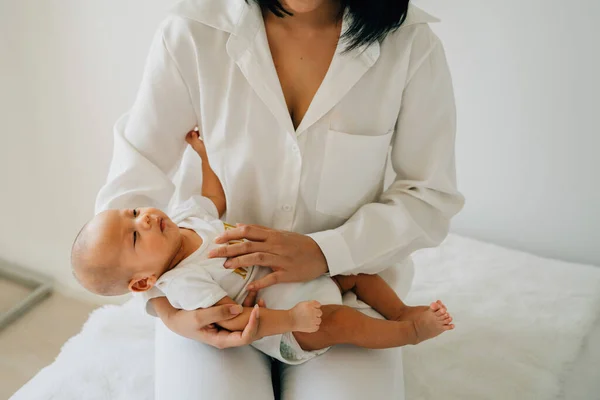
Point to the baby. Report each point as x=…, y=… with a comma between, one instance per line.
x=143, y=250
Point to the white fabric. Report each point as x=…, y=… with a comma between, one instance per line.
x=244, y=373
x=520, y=323
x=210, y=65
x=284, y=296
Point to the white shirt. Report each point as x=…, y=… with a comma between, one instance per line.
x=210, y=65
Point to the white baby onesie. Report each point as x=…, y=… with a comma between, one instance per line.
x=200, y=282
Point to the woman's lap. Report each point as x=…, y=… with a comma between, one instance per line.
x=346, y=373
x=189, y=370
x=186, y=369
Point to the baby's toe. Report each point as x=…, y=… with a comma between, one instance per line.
x=441, y=312
x=441, y=304
x=434, y=306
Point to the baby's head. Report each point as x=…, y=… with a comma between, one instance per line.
x=124, y=250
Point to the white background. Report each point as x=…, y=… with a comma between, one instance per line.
x=527, y=94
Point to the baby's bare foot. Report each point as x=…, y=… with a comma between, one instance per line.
x=410, y=313
x=434, y=321
x=306, y=316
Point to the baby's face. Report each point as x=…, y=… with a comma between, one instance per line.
x=144, y=240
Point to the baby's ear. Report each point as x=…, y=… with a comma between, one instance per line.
x=138, y=285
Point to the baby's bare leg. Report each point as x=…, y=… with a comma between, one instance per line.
x=405, y=324
x=345, y=325
x=374, y=291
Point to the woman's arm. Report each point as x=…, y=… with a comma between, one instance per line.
x=200, y=324
x=413, y=213
x=149, y=141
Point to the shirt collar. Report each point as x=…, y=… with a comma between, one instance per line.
x=232, y=15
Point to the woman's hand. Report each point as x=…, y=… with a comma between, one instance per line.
x=292, y=257
x=200, y=324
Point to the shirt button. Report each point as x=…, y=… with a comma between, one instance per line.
x=287, y=207
x=295, y=149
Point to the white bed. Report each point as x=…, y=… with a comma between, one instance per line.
x=523, y=331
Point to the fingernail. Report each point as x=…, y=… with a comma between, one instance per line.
x=211, y=253
x=257, y=310
x=217, y=239
x=227, y=264
x=235, y=310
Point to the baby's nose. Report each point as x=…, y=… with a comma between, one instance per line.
x=144, y=221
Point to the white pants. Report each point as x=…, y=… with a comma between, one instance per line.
x=189, y=370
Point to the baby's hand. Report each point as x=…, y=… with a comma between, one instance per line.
x=193, y=139
x=307, y=316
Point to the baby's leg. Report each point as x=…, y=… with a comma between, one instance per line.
x=345, y=325
x=374, y=291
x=405, y=324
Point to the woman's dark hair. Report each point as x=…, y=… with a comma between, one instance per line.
x=371, y=20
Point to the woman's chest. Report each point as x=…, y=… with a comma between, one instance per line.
x=301, y=64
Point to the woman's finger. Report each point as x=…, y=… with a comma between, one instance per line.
x=249, y=333
x=238, y=249
x=248, y=260
x=224, y=339
x=269, y=280
x=214, y=314
x=250, y=232
x=261, y=303
x=258, y=226
x=250, y=299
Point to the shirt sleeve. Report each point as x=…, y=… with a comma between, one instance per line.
x=415, y=211
x=192, y=290
x=150, y=139
x=149, y=295
x=195, y=206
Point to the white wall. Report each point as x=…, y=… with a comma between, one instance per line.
x=526, y=91
x=68, y=69
x=527, y=83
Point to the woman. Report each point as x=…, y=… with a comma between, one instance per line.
x=298, y=102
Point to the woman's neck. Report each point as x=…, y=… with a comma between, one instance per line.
x=325, y=16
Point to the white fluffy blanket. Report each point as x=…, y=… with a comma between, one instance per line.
x=520, y=321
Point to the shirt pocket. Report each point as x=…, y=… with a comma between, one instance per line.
x=352, y=172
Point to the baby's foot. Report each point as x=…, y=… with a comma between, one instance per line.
x=434, y=321
x=306, y=316
x=193, y=139
x=410, y=313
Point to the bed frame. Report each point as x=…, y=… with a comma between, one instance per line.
x=41, y=287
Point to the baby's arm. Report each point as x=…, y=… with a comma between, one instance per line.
x=304, y=317
x=211, y=186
